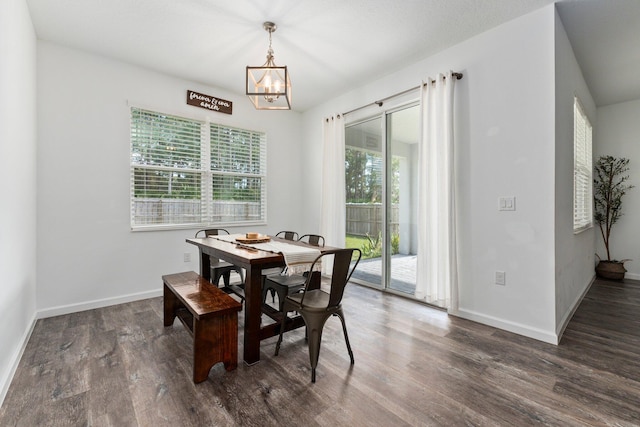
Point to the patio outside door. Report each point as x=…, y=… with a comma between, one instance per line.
x=381, y=177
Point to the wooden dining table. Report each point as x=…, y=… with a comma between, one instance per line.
x=254, y=262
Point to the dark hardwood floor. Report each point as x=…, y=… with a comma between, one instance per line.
x=118, y=366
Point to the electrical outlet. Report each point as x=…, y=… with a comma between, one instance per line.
x=500, y=278
x=187, y=257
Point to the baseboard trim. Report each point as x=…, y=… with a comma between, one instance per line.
x=516, y=328
x=632, y=276
x=569, y=314
x=90, y=305
x=5, y=381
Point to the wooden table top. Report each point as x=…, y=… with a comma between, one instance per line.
x=239, y=254
x=236, y=254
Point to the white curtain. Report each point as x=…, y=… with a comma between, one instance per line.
x=333, y=215
x=436, y=275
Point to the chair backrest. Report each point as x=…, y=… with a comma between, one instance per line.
x=312, y=239
x=212, y=232
x=343, y=268
x=288, y=235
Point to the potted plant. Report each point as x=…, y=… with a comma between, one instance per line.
x=610, y=184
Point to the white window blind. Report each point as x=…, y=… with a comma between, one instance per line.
x=582, y=170
x=238, y=162
x=186, y=172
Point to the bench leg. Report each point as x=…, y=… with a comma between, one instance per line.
x=171, y=305
x=214, y=340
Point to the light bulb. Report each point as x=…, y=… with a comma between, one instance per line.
x=267, y=83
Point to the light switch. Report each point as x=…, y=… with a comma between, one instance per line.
x=507, y=203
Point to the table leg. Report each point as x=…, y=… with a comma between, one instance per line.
x=205, y=265
x=252, y=315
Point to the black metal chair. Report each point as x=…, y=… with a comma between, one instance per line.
x=312, y=239
x=317, y=305
x=288, y=235
x=283, y=284
x=221, y=269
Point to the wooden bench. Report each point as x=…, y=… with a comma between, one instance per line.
x=209, y=314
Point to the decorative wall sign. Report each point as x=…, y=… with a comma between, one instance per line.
x=209, y=102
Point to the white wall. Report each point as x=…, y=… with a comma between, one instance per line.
x=617, y=133
x=574, y=253
x=87, y=255
x=505, y=142
x=17, y=184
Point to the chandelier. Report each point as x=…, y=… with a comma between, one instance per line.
x=269, y=86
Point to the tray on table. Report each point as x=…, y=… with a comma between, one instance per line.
x=259, y=239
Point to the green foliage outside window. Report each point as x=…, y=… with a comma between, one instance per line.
x=364, y=177
x=371, y=247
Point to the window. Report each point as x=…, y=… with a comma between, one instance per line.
x=582, y=170
x=186, y=172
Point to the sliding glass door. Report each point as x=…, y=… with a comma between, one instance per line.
x=364, y=174
x=402, y=132
x=381, y=178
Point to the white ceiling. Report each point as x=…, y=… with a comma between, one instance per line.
x=605, y=36
x=329, y=45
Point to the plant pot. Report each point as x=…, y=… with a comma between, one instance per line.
x=611, y=270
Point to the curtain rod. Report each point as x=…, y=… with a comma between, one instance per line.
x=379, y=103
